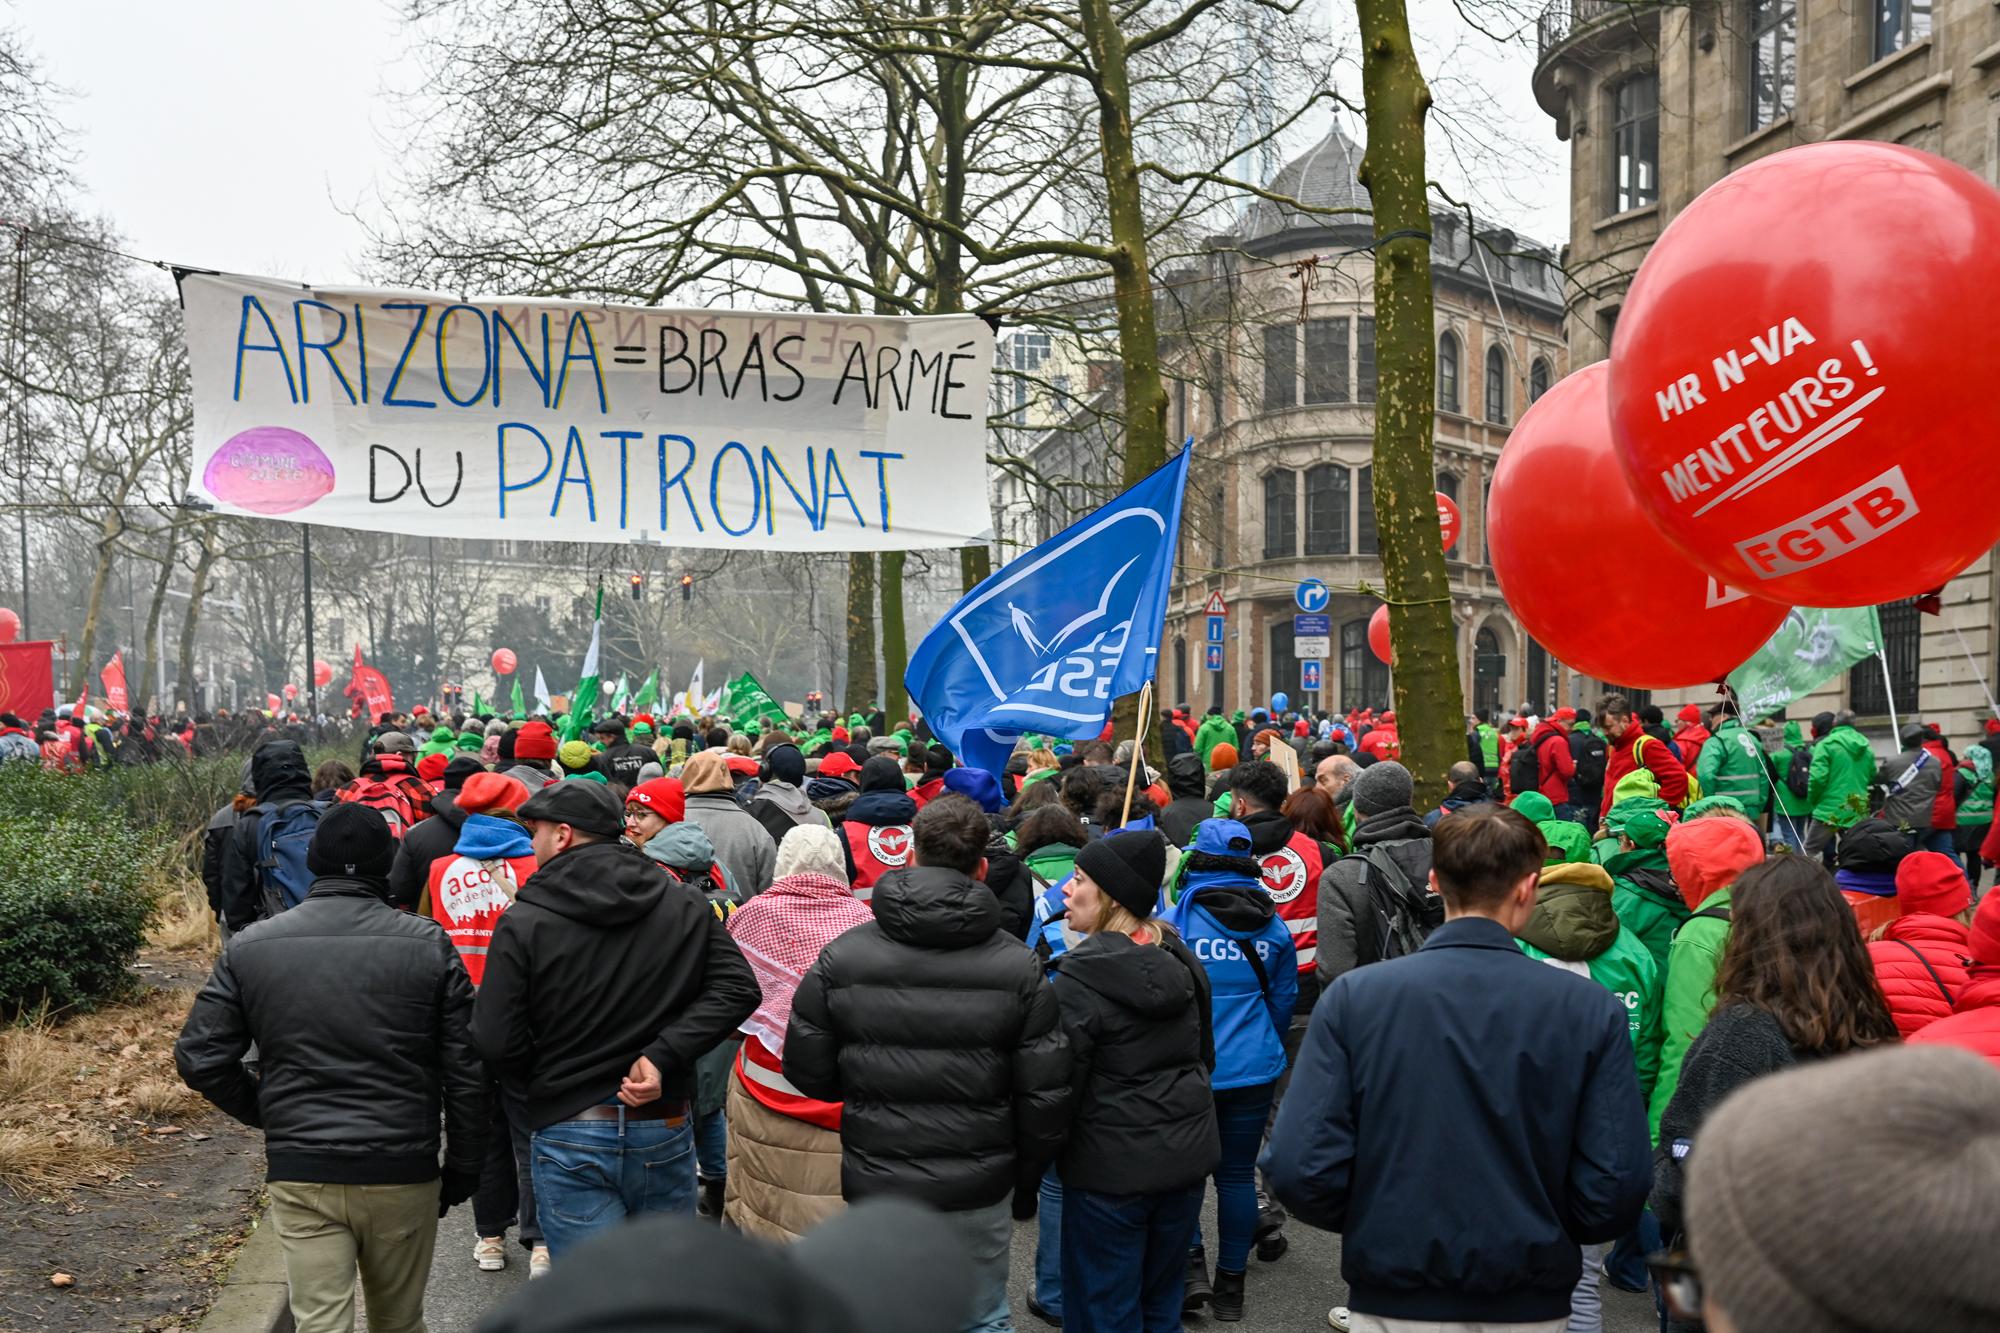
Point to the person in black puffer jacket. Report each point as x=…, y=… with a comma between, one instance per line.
x=363, y=1016
x=1135, y=1006
x=1190, y=804
x=942, y=1038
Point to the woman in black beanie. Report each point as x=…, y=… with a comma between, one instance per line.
x=1135, y=1006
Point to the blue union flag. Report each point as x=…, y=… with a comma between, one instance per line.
x=1048, y=641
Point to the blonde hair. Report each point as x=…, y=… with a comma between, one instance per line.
x=1041, y=759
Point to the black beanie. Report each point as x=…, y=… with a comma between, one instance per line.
x=352, y=840
x=1129, y=867
x=459, y=769
x=786, y=764
x=882, y=772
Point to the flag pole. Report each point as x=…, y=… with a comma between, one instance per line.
x=1138, y=749
x=1889, y=693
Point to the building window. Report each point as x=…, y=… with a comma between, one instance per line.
x=1215, y=389
x=1281, y=514
x=1281, y=366
x=1364, y=512
x=1488, y=666
x=1902, y=644
x=1900, y=23
x=1283, y=663
x=1635, y=142
x=1024, y=354
x=1326, y=360
x=1328, y=490
x=1364, y=360
x=1448, y=487
x=1538, y=686
x=1364, y=678
x=1773, y=59
x=1448, y=373
x=1485, y=531
x=1538, y=378
x=1496, y=385
x=1218, y=547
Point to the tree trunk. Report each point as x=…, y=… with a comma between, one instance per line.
x=107, y=545
x=1429, y=706
x=895, y=642
x=975, y=565
x=860, y=631
x=1132, y=287
x=150, y=668
x=197, y=591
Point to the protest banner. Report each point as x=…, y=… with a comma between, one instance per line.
x=544, y=420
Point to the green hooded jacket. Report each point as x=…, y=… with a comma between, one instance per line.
x=1732, y=764
x=1213, y=731
x=1573, y=926
x=1789, y=802
x=1977, y=807
x=1842, y=767
x=1489, y=746
x=1644, y=896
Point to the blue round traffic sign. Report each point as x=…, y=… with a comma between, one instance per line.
x=1312, y=595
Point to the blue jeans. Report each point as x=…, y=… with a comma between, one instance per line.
x=1790, y=829
x=1124, y=1259
x=1626, y=1264
x=1239, y=1117
x=1939, y=840
x=1048, y=1244
x=988, y=1236
x=711, y=1145
x=592, y=1174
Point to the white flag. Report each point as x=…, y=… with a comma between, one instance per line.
x=542, y=691
x=694, y=693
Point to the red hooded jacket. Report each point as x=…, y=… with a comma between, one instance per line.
x=1944, y=810
x=1554, y=764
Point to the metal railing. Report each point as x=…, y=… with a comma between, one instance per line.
x=1562, y=18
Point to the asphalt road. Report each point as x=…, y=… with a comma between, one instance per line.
x=1289, y=1296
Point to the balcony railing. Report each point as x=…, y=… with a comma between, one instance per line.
x=1563, y=18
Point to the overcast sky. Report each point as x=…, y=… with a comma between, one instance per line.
x=246, y=135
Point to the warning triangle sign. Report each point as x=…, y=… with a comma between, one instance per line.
x=1215, y=605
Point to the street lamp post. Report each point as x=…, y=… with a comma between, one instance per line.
x=312, y=679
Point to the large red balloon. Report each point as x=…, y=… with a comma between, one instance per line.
x=1590, y=578
x=503, y=662
x=10, y=626
x=1448, y=520
x=322, y=673
x=1800, y=383
x=291, y=691
x=1378, y=634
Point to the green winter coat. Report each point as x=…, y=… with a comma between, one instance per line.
x=1692, y=962
x=1732, y=764
x=1573, y=926
x=1843, y=766
x=1489, y=746
x=1977, y=807
x=1644, y=896
x=1789, y=802
x=1213, y=731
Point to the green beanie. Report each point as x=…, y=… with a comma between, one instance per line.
x=1567, y=840
x=1643, y=819
x=1536, y=807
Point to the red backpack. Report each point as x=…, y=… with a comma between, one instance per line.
x=401, y=799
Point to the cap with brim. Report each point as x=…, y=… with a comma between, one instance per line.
x=588, y=806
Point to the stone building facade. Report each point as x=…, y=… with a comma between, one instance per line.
x=1660, y=101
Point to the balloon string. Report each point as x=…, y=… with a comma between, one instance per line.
x=1977, y=674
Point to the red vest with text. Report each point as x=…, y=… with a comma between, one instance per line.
x=1291, y=874
x=467, y=897
x=877, y=849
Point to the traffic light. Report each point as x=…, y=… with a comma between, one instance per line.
x=638, y=587
x=687, y=588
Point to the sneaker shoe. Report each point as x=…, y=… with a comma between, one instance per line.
x=1196, y=1292
x=1337, y=1318
x=490, y=1253
x=538, y=1263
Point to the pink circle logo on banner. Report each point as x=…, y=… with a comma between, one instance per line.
x=269, y=470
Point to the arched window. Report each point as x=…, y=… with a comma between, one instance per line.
x=1364, y=512
x=1281, y=513
x=1364, y=678
x=1447, y=484
x=1538, y=379
x=1329, y=491
x=1496, y=384
x=1448, y=373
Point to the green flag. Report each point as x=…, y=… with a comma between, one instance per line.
x=1811, y=647
x=477, y=707
x=748, y=703
x=642, y=702
x=583, y=700
x=520, y=704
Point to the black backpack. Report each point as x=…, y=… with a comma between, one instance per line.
x=1524, y=768
x=1588, y=750
x=1798, y=773
x=1399, y=917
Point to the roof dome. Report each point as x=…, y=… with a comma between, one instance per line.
x=1327, y=175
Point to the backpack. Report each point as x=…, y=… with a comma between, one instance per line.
x=392, y=801
x=1400, y=918
x=1589, y=761
x=1798, y=772
x=284, y=832
x=1524, y=768
x=1712, y=913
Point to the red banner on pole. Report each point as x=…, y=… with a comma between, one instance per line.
x=113, y=677
x=27, y=678
x=370, y=689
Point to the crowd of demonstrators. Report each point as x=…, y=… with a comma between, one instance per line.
x=755, y=976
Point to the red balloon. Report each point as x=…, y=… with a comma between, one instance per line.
x=1798, y=385
x=271, y=704
x=291, y=691
x=10, y=626
x=1589, y=577
x=1378, y=634
x=503, y=662
x=1448, y=520
x=322, y=673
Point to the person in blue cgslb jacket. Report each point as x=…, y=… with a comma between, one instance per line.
x=1465, y=1091
x=1231, y=924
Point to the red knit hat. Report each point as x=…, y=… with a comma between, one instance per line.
x=1931, y=882
x=486, y=792
x=1982, y=940
x=1689, y=713
x=663, y=796
x=535, y=740
x=431, y=767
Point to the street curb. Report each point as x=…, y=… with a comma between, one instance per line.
x=254, y=1297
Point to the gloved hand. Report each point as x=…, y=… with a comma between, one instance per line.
x=456, y=1187
x=1027, y=1195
